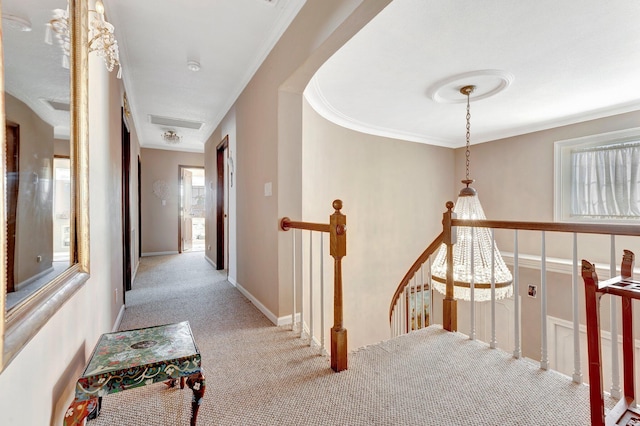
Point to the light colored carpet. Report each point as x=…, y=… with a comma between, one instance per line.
x=259, y=374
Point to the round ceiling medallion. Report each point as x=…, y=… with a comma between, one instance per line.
x=487, y=83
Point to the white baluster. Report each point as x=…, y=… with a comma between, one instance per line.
x=405, y=306
x=310, y=288
x=517, y=351
x=494, y=343
x=430, y=291
x=577, y=373
x=322, y=292
x=393, y=322
x=422, y=314
x=293, y=289
x=615, y=365
x=544, y=360
x=302, y=265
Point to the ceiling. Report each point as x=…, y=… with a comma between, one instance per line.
x=536, y=65
x=551, y=63
x=33, y=69
x=228, y=38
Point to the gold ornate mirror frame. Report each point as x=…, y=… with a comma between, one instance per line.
x=21, y=323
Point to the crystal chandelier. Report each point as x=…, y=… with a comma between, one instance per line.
x=171, y=137
x=102, y=40
x=60, y=26
x=475, y=255
x=101, y=37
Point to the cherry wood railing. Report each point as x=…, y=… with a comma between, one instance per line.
x=401, y=305
x=337, y=230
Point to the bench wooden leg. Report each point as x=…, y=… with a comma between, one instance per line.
x=196, y=383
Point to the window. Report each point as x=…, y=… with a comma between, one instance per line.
x=598, y=178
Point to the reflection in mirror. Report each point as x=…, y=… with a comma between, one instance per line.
x=37, y=126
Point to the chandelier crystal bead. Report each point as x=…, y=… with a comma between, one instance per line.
x=101, y=36
x=102, y=39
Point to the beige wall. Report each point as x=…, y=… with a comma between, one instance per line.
x=393, y=193
x=34, y=214
x=67, y=339
x=268, y=137
x=515, y=181
x=160, y=222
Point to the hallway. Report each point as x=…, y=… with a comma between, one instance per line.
x=259, y=374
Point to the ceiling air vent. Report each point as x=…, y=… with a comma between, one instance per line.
x=175, y=122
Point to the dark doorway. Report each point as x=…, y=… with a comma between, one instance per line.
x=126, y=207
x=13, y=161
x=222, y=153
x=139, y=208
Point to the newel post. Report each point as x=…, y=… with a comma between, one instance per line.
x=449, y=304
x=338, y=249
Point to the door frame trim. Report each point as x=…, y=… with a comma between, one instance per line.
x=180, y=167
x=220, y=190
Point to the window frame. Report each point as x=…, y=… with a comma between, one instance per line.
x=562, y=175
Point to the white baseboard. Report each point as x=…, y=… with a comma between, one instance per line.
x=34, y=278
x=286, y=320
x=211, y=262
x=116, y=325
x=279, y=321
x=135, y=271
x=267, y=313
x=159, y=253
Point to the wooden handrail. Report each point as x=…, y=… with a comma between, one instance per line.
x=435, y=244
x=449, y=221
x=286, y=224
x=337, y=229
x=581, y=228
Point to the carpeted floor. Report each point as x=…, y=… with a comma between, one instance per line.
x=259, y=374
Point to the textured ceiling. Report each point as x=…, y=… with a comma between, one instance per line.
x=561, y=62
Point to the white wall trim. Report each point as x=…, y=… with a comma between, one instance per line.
x=34, y=278
x=555, y=264
x=286, y=320
x=159, y=253
x=561, y=350
x=135, y=270
x=278, y=321
x=211, y=262
x=116, y=324
x=232, y=281
x=267, y=313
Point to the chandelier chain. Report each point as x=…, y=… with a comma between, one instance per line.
x=468, y=152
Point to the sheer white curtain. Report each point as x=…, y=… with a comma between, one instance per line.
x=606, y=181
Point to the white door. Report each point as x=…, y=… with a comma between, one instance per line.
x=186, y=210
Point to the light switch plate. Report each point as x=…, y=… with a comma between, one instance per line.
x=268, y=189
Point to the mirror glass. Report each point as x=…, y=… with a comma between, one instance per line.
x=39, y=187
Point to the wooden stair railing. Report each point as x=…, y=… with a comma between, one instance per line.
x=435, y=244
x=449, y=222
x=628, y=290
x=337, y=229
